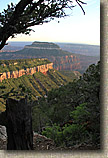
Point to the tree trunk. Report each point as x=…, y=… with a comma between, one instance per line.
x=19, y=125
x=3, y=119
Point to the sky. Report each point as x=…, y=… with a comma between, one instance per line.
x=76, y=28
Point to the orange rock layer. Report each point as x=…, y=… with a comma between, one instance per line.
x=27, y=71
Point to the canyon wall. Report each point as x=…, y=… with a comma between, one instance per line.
x=68, y=62
x=27, y=71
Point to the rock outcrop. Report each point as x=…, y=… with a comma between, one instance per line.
x=27, y=71
x=41, y=142
x=3, y=138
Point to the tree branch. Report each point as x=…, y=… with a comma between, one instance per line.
x=78, y=2
x=28, y=13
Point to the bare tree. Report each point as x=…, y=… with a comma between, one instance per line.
x=19, y=18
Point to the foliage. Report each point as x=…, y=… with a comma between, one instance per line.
x=54, y=133
x=73, y=110
x=66, y=136
x=69, y=113
x=74, y=134
x=19, y=18
x=71, y=74
x=80, y=114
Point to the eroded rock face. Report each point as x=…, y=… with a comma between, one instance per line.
x=68, y=62
x=3, y=138
x=27, y=71
x=3, y=133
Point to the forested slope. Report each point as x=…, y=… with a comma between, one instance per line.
x=34, y=85
x=70, y=115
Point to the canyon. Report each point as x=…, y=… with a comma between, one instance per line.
x=67, y=62
x=28, y=71
x=61, y=59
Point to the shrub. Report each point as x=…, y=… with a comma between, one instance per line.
x=54, y=133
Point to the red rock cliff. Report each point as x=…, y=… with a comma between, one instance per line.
x=27, y=71
x=66, y=63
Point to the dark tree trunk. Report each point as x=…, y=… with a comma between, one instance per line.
x=3, y=119
x=19, y=125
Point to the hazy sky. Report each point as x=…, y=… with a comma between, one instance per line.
x=77, y=28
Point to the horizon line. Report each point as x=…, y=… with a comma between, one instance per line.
x=59, y=42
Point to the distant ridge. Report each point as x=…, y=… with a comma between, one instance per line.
x=63, y=60
x=84, y=49
x=44, y=44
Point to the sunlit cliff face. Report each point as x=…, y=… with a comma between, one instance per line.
x=28, y=71
x=66, y=62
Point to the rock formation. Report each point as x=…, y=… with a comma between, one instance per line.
x=27, y=71
x=3, y=138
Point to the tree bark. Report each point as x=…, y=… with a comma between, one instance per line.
x=19, y=125
x=3, y=119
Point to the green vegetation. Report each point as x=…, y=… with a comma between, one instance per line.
x=71, y=74
x=32, y=85
x=18, y=64
x=65, y=110
x=70, y=115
